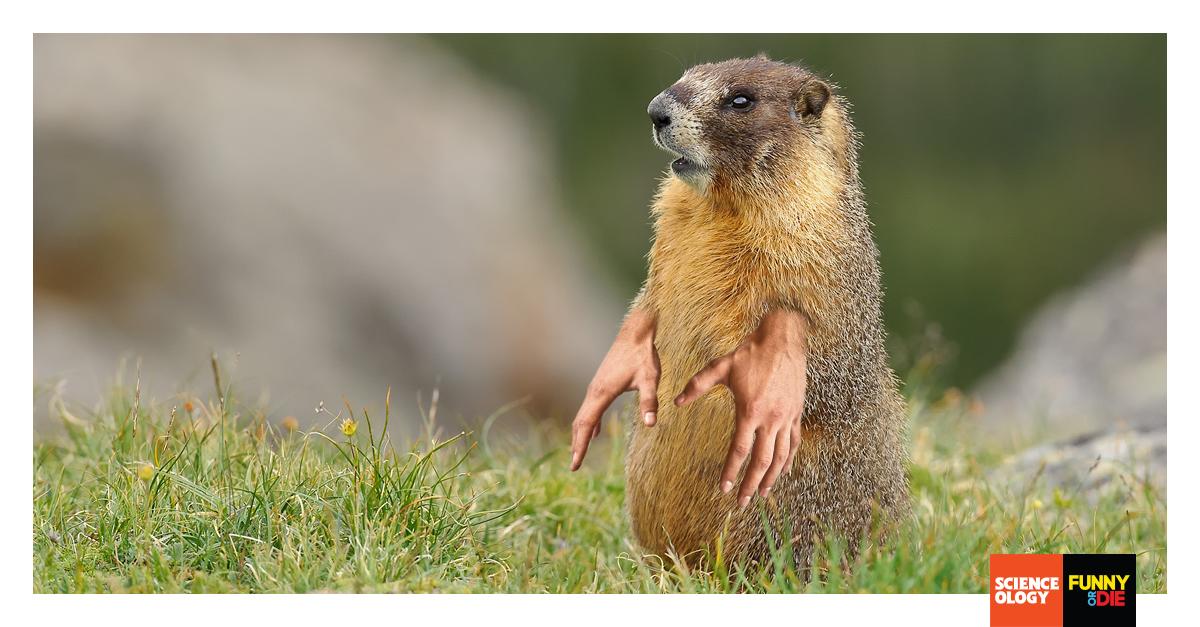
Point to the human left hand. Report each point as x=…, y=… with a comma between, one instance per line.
x=767, y=375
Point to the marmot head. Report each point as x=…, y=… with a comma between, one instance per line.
x=749, y=124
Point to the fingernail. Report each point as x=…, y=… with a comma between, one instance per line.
x=744, y=501
x=650, y=418
x=679, y=400
x=726, y=487
x=766, y=492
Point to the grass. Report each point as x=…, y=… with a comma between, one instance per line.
x=211, y=496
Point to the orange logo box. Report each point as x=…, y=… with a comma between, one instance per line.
x=1026, y=590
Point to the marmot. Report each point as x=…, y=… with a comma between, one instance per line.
x=763, y=208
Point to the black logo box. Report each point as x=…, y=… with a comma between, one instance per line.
x=1076, y=607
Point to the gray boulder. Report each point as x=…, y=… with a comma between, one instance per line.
x=331, y=214
x=1093, y=359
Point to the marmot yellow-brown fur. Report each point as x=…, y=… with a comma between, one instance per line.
x=764, y=209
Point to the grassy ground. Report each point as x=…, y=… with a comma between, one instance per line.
x=213, y=498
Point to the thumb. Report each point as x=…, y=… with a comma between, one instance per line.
x=648, y=401
x=712, y=374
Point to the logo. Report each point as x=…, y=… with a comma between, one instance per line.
x=1026, y=590
x=1099, y=589
x=1043, y=590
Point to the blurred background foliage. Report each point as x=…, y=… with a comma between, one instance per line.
x=998, y=169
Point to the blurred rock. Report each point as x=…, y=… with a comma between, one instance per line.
x=1093, y=359
x=1091, y=464
x=332, y=214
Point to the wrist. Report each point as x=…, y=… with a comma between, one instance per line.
x=639, y=324
x=786, y=326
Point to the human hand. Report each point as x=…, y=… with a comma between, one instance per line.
x=767, y=377
x=631, y=364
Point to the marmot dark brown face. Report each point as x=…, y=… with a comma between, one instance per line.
x=735, y=121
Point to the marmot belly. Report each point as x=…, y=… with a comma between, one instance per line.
x=845, y=470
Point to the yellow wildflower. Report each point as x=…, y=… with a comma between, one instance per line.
x=289, y=423
x=349, y=427
x=145, y=471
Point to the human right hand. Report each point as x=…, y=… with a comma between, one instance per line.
x=631, y=364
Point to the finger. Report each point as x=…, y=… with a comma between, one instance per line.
x=795, y=444
x=596, y=431
x=704, y=380
x=648, y=401
x=581, y=437
x=760, y=462
x=739, y=449
x=782, y=446
x=583, y=427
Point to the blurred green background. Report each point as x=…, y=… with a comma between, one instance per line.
x=998, y=169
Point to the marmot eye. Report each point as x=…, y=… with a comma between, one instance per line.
x=741, y=102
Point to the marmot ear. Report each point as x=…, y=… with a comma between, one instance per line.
x=814, y=95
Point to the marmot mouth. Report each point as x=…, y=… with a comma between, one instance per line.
x=683, y=166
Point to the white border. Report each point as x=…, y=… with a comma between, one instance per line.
x=616, y=16
x=520, y=610
x=595, y=17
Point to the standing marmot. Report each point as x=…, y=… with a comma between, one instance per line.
x=762, y=210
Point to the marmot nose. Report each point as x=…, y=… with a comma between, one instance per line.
x=658, y=114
